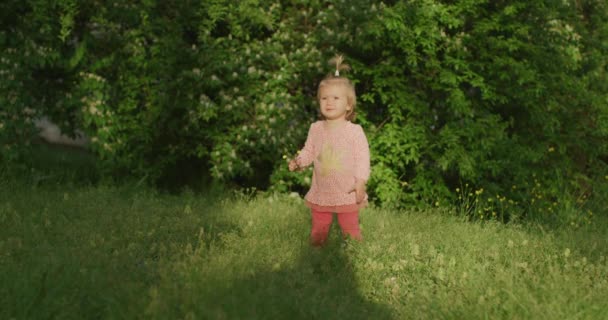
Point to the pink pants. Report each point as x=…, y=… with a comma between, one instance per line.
x=321, y=222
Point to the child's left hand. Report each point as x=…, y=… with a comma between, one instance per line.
x=360, y=190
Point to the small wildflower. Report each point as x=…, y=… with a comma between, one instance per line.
x=551, y=149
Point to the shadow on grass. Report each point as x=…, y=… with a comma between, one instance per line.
x=321, y=285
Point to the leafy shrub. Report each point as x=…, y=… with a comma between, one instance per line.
x=484, y=93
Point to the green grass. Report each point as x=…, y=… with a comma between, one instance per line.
x=72, y=247
x=124, y=252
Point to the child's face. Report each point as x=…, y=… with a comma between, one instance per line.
x=334, y=102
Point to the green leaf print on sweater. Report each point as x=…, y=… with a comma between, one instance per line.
x=330, y=159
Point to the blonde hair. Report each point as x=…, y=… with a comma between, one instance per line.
x=335, y=79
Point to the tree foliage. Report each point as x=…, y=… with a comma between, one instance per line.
x=491, y=93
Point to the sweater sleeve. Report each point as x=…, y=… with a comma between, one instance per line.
x=361, y=152
x=307, y=155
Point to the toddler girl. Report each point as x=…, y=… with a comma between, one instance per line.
x=340, y=153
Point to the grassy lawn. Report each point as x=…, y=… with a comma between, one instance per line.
x=73, y=248
x=125, y=252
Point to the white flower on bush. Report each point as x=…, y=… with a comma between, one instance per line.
x=94, y=111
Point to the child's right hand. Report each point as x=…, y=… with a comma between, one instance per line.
x=293, y=165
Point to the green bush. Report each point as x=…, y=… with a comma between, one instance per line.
x=491, y=94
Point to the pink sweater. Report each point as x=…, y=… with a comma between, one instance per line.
x=340, y=156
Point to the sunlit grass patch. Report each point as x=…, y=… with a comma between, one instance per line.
x=131, y=252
